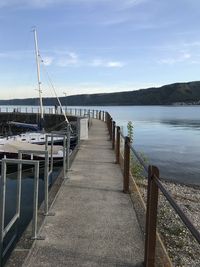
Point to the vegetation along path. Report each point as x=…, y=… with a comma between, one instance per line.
x=95, y=223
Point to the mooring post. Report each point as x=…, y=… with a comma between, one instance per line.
x=151, y=217
x=118, y=145
x=126, y=164
x=113, y=134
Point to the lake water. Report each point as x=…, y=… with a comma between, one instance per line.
x=169, y=136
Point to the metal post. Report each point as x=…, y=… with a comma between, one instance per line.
x=118, y=145
x=113, y=135
x=79, y=130
x=19, y=179
x=93, y=114
x=68, y=146
x=35, y=202
x=64, y=157
x=46, y=184
x=151, y=217
x=126, y=164
x=2, y=207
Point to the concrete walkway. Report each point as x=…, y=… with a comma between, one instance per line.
x=95, y=223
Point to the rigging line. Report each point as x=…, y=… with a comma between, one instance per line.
x=52, y=86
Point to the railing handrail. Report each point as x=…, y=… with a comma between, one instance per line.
x=187, y=222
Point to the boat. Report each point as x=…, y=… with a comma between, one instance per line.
x=36, y=134
x=10, y=149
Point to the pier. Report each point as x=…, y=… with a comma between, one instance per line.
x=94, y=223
x=98, y=217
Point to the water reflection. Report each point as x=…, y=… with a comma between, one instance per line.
x=167, y=135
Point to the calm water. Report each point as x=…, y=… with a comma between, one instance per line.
x=169, y=136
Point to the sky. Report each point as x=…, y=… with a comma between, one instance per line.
x=97, y=46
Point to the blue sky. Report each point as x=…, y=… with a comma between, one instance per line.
x=91, y=46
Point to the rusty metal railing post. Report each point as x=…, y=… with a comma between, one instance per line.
x=151, y=217
x=113, y=134
x=117, y=149
x=126, y=164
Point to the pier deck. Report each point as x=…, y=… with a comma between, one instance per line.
x=94, y=223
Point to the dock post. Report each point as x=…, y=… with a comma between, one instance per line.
x=118, y=145
x=113, y=134
x=126, y=164
x=151, y=217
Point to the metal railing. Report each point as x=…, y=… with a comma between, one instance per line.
x=35, y=163
x=4, y=230
x=153, y=188
x=81, y=112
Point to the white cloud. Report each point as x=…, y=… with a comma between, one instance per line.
x=176, y=59
x=69, y=59
x=107, y=64
x=115, y=64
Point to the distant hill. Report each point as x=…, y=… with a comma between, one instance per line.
x=164, y=95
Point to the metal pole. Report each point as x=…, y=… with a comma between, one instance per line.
x=151, y=217
x=51, y=167
x=64, y=157
x=126, y=164
x=35, y=201
x=2, y=207
x=19, y=179
x=68, y=146
x=38, y=73
x=118, y=146
x=79, y=130
x=46, y=184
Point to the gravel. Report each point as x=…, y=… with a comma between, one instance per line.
x=182, y=247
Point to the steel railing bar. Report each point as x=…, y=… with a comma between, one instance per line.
x=10, y=224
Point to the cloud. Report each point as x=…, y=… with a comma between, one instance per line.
x=107, y=64
x=177, y=59
x=69, y=59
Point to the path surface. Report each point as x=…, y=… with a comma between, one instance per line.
x=95, y=223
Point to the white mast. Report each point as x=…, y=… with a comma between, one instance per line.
x=38, y=74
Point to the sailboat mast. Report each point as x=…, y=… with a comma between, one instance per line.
x=38, y=74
